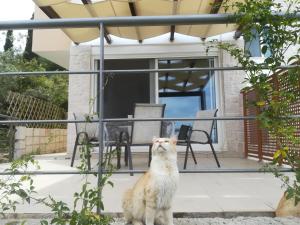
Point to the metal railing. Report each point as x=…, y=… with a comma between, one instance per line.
x=121, y=21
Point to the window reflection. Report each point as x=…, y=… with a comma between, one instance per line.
x=186, y=92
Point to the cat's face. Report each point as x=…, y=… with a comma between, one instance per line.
x=164, y=145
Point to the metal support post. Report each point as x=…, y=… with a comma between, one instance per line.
x=100, y=113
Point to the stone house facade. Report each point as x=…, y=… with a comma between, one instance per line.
x=227, y=87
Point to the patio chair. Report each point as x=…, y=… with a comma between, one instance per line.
x=86, y=133
x=142, y=132
x=116, y=135
x=199, y=133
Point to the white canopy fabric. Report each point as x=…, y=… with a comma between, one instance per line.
x=112, y=8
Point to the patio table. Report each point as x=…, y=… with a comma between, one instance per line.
x=119, y=134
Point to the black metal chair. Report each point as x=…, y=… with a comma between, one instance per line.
x=117, y=136
x=86, y=133
x=199, y=133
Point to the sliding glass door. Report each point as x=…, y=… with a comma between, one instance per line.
x=187, y=92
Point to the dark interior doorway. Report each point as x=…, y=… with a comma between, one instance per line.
x=122, y=91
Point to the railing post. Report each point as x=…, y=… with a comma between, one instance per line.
x=245, y=125
x=276, y=98
x=259, y=136
x=100, y=115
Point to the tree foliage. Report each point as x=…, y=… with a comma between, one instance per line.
x=9, y=41
x=51, y=88
x=28, y=54
x=279, y=35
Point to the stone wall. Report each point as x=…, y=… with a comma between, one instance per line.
x=232, y=105
x=39, y=141
x=80, y=88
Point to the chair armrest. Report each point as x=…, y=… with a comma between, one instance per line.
x=202, y=131
x=124, y=135
x=85, y=134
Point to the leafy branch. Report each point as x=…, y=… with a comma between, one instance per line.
x=279, y=35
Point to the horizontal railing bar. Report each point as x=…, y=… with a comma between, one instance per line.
x=138, y=119
x=191, y=119
x=39, y=73
x=191, y=69
x=125, y=21
x=60, y=172
x=6, y=117
x=135, y=70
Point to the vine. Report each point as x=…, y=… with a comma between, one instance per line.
x=279, y=35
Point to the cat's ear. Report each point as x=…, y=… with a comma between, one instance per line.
x=173, y=140
x=154, y=139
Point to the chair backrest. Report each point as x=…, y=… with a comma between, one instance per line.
x=183, y=132
x=144, y=131
x=205, y=125
x=168, y=129
x=90, y=128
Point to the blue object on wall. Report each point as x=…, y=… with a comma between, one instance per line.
x=253, y=46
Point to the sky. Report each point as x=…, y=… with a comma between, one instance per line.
x=15, y=10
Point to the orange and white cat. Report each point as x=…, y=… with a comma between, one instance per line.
x=150, y=200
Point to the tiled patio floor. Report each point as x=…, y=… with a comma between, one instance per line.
x=248, y=192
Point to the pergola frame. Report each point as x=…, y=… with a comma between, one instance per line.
x=122, y=21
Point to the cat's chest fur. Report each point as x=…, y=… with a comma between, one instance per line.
x=165, y=178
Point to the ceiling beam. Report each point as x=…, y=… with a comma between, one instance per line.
x=238, y=33
x=167, y=76
x=172, y=34
x=179, y=94
x=133, y=13
x=166, y=81
x=215, y=9
x=49, y=11
x=189, y=76
x=216, y=6
x=172, y=28
x=106, y=33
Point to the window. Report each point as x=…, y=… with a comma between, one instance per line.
x=187, y=92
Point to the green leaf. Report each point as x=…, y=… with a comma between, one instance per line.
x=264, y=49
x=110, y=183
x=44, y=222
x=269, y=60
x=277, y=154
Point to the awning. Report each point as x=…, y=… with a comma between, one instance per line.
x=112, y=8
